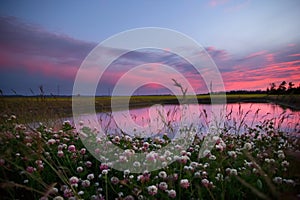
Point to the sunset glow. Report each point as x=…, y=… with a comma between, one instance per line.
x=253, y=45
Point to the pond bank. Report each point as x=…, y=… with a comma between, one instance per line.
x=28, y=108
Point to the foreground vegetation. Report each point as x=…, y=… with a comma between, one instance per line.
x=51, y=162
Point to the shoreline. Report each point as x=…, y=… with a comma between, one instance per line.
x=27, y=108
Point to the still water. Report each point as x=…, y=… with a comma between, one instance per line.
x=157, y=119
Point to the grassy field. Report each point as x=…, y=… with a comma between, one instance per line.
x=40, y=109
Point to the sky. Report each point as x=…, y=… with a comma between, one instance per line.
x=253, y=43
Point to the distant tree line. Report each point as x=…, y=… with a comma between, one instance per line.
x=283, y=88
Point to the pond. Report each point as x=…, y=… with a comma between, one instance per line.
x=235, y=117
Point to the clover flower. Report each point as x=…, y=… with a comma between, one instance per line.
x=152, y=190
x=184, y=183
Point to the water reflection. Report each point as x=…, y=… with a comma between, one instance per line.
x=237, y=118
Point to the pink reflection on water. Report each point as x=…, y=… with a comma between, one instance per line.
x=237, y=119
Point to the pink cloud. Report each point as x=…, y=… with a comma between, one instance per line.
x=255, y=54
x=295, y=55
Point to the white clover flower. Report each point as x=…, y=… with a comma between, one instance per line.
x=162, y=174
x=90, y=176
x=205, y=182
x=184, y=183
x=86, y=183
x=212, y=157
x=233, y=172
x=79, y=169
x=136, y=164
x=152, y=190
x=232, y=154
x=163, y=186
x=73, y=180
x=247, y=146
x=285, y=163
x=114, y=180
x=197, y=174
x=172, y=193
x=281, y=156
x=126, y=172
x=277, y=180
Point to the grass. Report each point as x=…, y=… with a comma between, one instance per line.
x=41, y=109
x=51, y=162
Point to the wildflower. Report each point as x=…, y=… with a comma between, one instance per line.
x=85, y=183
x=30, y=169
x=197, y=175
x=206, y=152
x=184, y=183
x=79, y=169
x=247, y=146
x=54, y=190
x=289, y=182
x=212, y=157
x=232, y=154
x=90, y=176
x=233, y=172
x=68, y=193
x=51, y=141
x=144, y=178
x=277, y=180
x=126, y=172
x=122, y=159
x=74, y=181
x=162, y=174
x=205, y=182
x=88, y=163
x=204, y=174
x=146, y=145
x=172, y=193
x=72, y=148
x=82, y=151
x=136, y=164
x=183, y=159
x=194, y=164
x=60, y=154
x=58, y=198
x=116, y=139
x=114, y=180
x=219, y=177
x=105, y=171
x=285, y=163
x=163, y=186
x=103, y=166
x=152, y=190
x=129, y=197
x=151, y=156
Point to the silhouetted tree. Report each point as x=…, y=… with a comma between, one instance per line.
x=272, y=88
x=282, y=87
